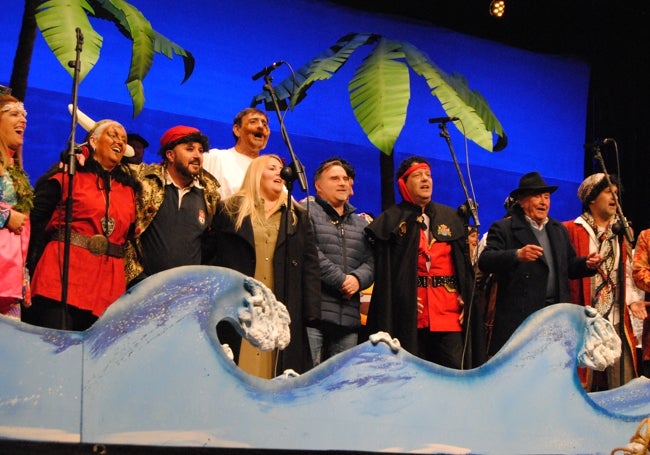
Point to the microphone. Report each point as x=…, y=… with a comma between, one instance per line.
x=80, y=148
x=266, y=70
x=597, y=144
x=443, y=119
x=77, y=149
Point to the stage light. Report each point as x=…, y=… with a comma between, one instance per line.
x=497, y=8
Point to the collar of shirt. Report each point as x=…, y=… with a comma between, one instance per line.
x=534, y=224
x=182, y=191
x=582, y=222
x=195, y=183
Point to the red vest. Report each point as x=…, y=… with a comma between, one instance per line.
x=440, y=310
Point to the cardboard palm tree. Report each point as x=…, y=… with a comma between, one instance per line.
x=380, y=93
x=58, y=20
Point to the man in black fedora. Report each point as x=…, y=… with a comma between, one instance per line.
x=532, y=257
x=139, y=144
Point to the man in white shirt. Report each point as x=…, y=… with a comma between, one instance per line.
x=251, y=131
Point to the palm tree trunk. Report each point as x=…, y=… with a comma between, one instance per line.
x=386, y=171
x=23, y=57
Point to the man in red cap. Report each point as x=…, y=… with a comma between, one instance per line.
x=532, y=257
x=423, y=275
x=175, y=206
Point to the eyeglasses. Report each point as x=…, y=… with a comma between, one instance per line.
x=5, y=90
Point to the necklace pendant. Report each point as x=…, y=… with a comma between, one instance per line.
x=108, y=225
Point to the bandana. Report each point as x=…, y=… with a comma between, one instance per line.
x=603, y=282
x=592, y=186
x=401, y=182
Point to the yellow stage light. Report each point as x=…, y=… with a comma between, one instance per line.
x=497, y=8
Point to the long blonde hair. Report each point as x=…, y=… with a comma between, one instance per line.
x=245, y=201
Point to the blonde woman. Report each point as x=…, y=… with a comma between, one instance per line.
x=16, y=199
x=249, y=234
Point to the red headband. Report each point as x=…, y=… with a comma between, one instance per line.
x=401, y=182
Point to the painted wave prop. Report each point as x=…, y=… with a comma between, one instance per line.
x=152, y=372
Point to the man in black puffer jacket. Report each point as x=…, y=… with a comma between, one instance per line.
x=345, y=257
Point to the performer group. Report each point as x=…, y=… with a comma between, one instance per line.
x=73, y=244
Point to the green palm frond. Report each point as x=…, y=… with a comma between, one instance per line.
x=58, y=22
x=138, y=29
x=131, y=23
x=380, y=93
x=458, y=100
x=380, y=90
x=164, y=46
x=325, y=65
x=320, y=68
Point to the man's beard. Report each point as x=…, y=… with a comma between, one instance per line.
x=185, y=171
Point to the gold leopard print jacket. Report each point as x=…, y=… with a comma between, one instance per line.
x=151, y=177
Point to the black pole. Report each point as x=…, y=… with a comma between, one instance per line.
x=472, y=207
x=620, y=301
x=294, y=171
x=623, y=232
x=296, y=165
x=625, y=226
x=71, y=166
x=472, y=210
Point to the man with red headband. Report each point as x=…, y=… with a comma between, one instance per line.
x=175, y=207
x=423, y=275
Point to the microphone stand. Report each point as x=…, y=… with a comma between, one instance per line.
x=619, y=211
x=289, y=174
x=71, y=167
x=472, y=209
x=623, y=231
x=296, y=166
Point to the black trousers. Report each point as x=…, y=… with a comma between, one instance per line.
x=443, y=348
x=49, y=313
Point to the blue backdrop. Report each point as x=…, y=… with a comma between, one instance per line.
x=540, y=100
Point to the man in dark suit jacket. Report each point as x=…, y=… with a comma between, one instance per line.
x=532, y=257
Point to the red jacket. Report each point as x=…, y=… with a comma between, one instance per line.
x=580, y=289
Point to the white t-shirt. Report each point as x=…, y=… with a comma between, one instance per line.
x=229, y=168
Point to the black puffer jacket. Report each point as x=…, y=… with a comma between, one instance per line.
x=342, y=250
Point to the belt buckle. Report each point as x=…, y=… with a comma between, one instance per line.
x=98, y=245
x=450, y=287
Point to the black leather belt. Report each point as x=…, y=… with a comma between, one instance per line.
x=96, y=244
x=449, y=282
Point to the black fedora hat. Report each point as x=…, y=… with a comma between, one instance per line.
x=532, y=183
x=137, y=137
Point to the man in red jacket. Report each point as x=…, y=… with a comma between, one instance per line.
x=598, y=229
